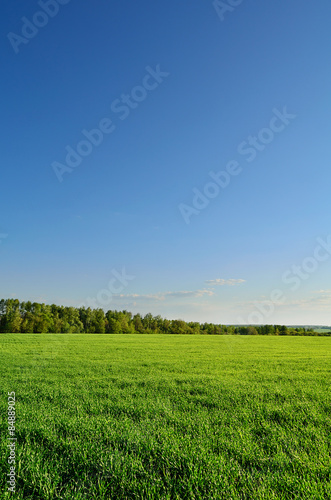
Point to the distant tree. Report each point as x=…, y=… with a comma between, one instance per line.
x=137, y=323
x=11, y=319
x=164, y=325
x=98, y=321
x=27, y=325
x=27, y=317
x=195, y=327
x=251, y=330
x=147, y=322
x=125, y=321
x=179, y=327
x=114, y=326
x=85, y=316
x=283, y=330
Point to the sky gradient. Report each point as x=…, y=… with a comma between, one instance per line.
x=167, y=97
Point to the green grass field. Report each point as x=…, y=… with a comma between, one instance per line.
x=167, y=417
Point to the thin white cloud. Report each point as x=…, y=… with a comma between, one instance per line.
x=319, y=302
x=196, y=293
x=223, y=282
x=323, y=301
x=164, y=295
x=136, y=296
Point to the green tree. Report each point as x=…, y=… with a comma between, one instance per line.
x=98, y=324
x=251, y=330
x=180, y=327
x=137, y=323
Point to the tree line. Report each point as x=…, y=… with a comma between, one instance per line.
x=33, y=317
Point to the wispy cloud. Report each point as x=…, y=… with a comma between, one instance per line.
x=321, y=300
x=164, y=295
x=196, y=293
x=223, y=282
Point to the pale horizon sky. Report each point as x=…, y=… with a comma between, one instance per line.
x=160, y=158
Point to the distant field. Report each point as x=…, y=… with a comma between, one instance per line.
x=168, y=417
x=322, y=330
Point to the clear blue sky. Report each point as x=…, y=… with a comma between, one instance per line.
x=223, y=81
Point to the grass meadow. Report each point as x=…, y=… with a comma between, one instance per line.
x=167, y=417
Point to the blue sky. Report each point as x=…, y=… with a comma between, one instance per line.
x=184, y=90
